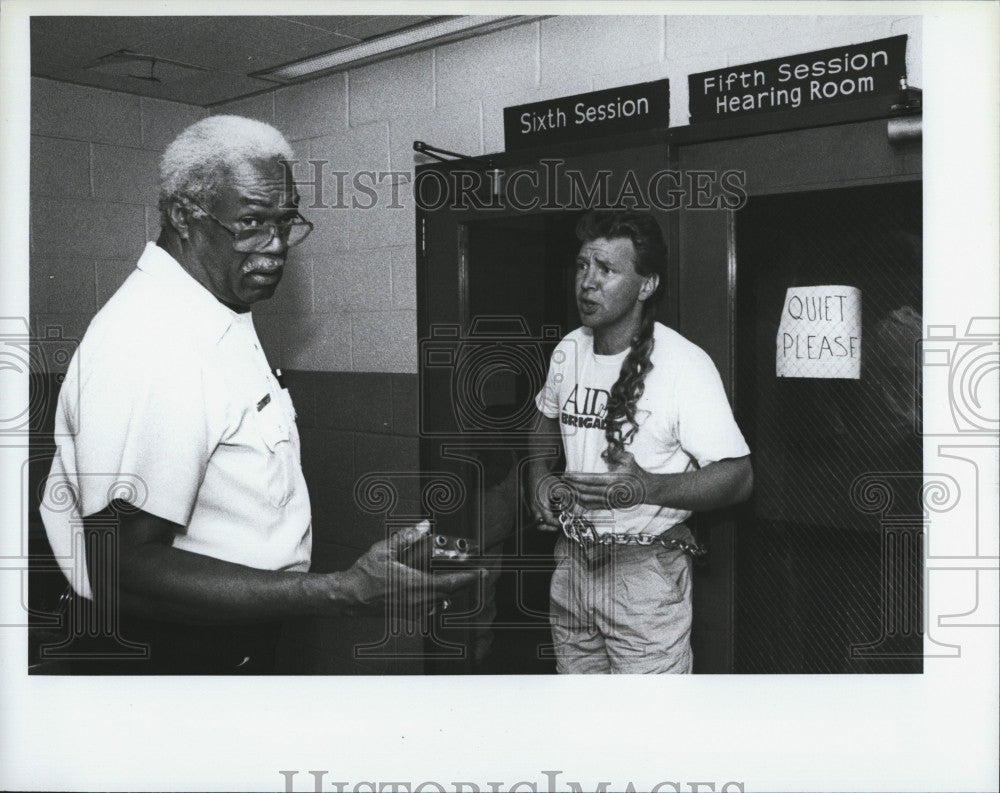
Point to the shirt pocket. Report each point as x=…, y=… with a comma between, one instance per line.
x=280, y=451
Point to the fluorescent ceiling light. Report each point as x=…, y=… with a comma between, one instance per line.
x=393, y=44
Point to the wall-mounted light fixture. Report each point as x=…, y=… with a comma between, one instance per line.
x=907, y=126
x=408, y=40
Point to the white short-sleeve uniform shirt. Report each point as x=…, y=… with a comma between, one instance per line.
x=170, y=405
x=684, y=418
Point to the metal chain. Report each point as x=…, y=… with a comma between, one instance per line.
x=583, y=532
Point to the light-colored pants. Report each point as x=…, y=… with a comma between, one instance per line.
x=631, y=614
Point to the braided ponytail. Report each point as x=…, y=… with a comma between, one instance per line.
x=651, y=258
x=620, y=424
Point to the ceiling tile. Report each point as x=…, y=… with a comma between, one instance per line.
x=208, y=47
x=331, y=24
x=69, y=47
x=212, y=88
x=49, y=52
x=327, y=42
x=112, y=32
x=379, y=26
x=110, y=82
x=231, y=47
x=273, y=34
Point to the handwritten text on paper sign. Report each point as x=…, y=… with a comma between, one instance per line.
x=820, y=333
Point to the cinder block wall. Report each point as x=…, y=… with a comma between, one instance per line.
x=349, y=302
x=93, y=194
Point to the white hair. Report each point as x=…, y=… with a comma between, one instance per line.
x=206, y=154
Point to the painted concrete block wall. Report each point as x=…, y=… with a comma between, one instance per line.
x=348, y=301
x=93, y=192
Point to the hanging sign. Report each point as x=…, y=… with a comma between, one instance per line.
x=853, y=71
x=820, y=333
x=612, y=111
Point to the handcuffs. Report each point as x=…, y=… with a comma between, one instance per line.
x=596, y=545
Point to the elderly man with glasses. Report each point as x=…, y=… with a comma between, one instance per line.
x=176, y=501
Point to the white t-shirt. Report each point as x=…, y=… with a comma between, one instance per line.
x=684, y=419
x=170, y=405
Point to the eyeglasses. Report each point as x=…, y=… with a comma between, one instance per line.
x=254, y=239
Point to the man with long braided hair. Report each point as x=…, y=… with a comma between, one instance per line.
x=649, y=437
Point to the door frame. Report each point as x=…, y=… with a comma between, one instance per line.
x=818, y=149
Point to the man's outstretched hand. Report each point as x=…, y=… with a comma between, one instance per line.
x=379, y=577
